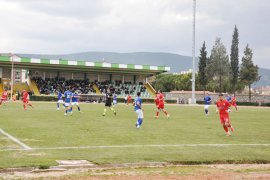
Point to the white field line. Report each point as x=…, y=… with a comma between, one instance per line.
x=24, y=146
x=140, y=146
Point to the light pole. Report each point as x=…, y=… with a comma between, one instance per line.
x=12, y=73
x=193, y=100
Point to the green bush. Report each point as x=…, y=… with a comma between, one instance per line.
x=200, y=102
x=43, y=98
x=247, y=103
x=265, y=104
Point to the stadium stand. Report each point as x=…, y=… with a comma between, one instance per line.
x=1, y=87
x=90, y=79
x=50, y=86
x=34, y=88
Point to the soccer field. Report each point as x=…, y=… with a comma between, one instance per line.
x=39, y=136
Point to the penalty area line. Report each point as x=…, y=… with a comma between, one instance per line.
x=140, y=146
x=17, y=141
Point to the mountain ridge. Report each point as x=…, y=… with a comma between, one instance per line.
x=176, y=62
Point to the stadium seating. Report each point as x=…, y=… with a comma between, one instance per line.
x=34, y=88
x=50, y=86
x=121, y=89
x=1, y=87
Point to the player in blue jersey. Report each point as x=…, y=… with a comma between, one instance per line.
x=60, y=99
x=75, y=101
x=207, y=102
x=229, y=99
x=68, y=96
x=114, y=99
x=138, y=109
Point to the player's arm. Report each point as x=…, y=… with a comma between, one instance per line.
x=229, y=104
x=138, y=104
x=217, y=108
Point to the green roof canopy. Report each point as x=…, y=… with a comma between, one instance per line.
x=80, y=65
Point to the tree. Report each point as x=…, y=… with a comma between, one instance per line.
x=218, y=68
x=165, y=82
x=169, y=82
x=248, y=71
x=234, y=59
x=202, y=76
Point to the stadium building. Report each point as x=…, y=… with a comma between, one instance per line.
x=45, y=76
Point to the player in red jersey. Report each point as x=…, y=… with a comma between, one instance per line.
x=129, y=98
x=4, y=97
x=234, y=102
x=25, y=98
x=222, y=107
x=161, y=104
x=157, y=100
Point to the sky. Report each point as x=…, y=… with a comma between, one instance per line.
x=70, y=26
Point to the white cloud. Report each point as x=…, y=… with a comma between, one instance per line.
x=66, y=26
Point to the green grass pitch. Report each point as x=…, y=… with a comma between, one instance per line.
x=114, y=139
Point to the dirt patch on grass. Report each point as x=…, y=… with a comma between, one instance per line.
x=152, y=172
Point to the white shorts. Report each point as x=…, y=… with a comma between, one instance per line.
x=206, y=106
x=114, y=102
x=75, y=103
x=60, y=101
x=67, y=104
x=139, y=112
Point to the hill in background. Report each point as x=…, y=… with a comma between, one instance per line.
x=177, y=62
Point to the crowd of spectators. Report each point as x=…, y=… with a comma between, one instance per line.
x=50, y=86
x=120, y=88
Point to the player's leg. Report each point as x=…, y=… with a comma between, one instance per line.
x=78, y=107
x=236, y=108
x=24, y=105
x=206, y=110
x=57, y=105
x=66, y=108
x=71, y=107
x=1, y=102
x=105, y=110
x=228, y=124
x=222, y=121
x=157, y=112
x=140, y=118
x=112, y=109
x=4, y=102
x=165, y=112
x=29, y=104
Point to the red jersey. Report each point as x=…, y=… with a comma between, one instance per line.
x=129, y=98
x=4, y=95
x=157, y=100
x=161, y=98
x=223, y=106
x=233, y=101
x=25, y=96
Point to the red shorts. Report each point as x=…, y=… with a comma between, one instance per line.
x=233, y=104
x=3, y=99
x=161, y=106
x=224, y=118
x=25, y=101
